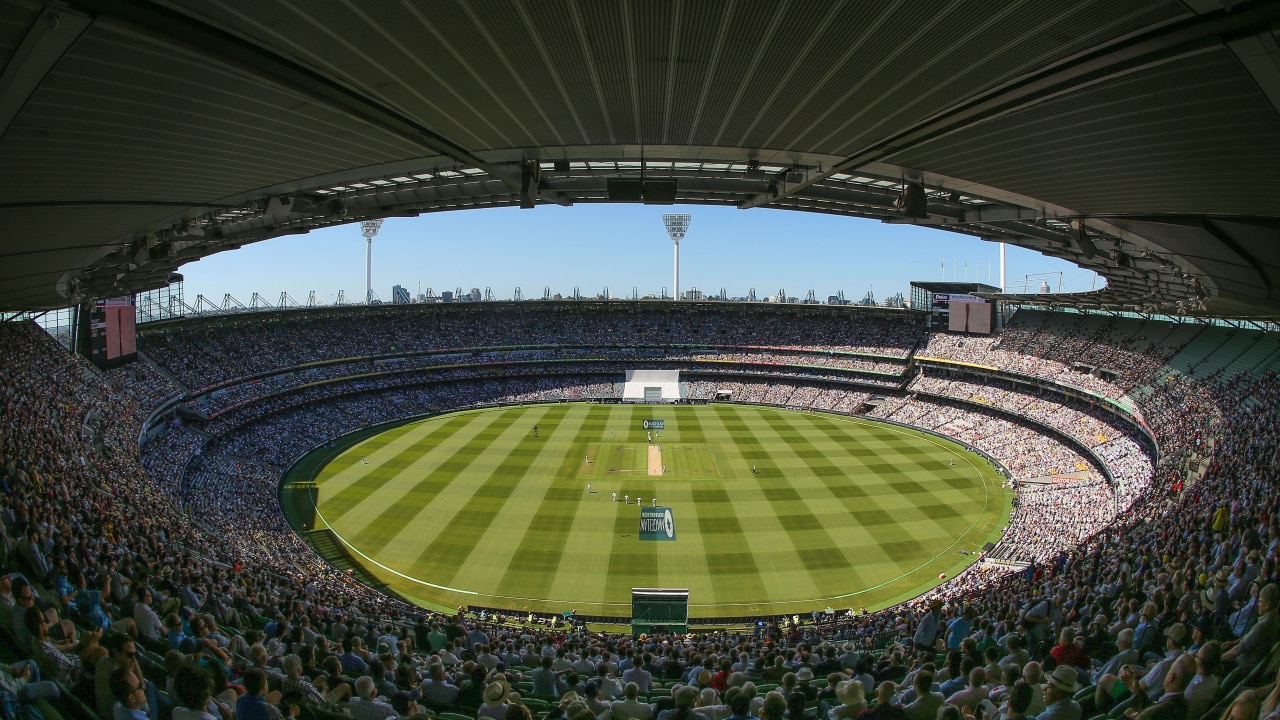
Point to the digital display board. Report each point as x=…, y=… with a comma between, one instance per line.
x=109, y=331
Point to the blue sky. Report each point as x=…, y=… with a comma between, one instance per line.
x=592, y=246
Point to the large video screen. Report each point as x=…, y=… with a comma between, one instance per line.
x=970, y=317
x=111, y=333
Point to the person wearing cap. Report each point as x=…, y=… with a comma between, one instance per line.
x=1254, y=647
x=1059, y=686
x=1175, y=643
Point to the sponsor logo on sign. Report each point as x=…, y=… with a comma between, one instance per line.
x=654, y=424
x=657, y=524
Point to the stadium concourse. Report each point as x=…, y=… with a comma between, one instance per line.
x=1149, y=586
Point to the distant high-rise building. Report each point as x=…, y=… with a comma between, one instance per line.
x=475, y=295
x=400, y=295
x=446, y=296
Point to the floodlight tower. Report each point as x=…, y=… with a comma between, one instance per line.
x=369, y=228
x=677, y=224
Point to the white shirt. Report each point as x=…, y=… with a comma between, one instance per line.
x=148, y=622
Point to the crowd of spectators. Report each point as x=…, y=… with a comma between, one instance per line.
x=1185, y=578
x=211, y=351
x=1089, y=425
x=1024, y=452
x=1068, y=349
x=458, y=365
x=148, y=383
x=813, y=359
x=279, y=434
x=1184, y=413
x=774, y=392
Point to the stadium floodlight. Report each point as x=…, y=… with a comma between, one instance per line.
x=677, y=224
x=369, y=228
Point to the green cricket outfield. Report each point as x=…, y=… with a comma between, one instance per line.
x=472, y=508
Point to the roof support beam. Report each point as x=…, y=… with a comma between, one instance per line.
x=1260, y=56
x=45, y=42
x=1155, y=47
x=196, y=34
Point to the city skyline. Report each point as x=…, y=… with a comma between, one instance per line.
x=620, y=247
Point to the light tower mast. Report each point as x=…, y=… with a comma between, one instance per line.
x=677, y=224
x=369, y=228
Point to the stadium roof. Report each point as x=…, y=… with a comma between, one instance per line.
x=1140, y=138
x=939, y=286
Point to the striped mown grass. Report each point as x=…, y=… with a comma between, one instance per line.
x=471, y=508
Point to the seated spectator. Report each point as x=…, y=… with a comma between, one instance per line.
x=1060, y=685
x=256, y=703
x=129, y=695
x=367, y=705
x=65, y=667
x=1255, y=645
x=193, y=702
x=630, y=706
x=853, y=699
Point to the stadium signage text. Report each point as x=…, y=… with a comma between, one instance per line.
x=654, y=424
x=956, y=297
x=657, y=524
